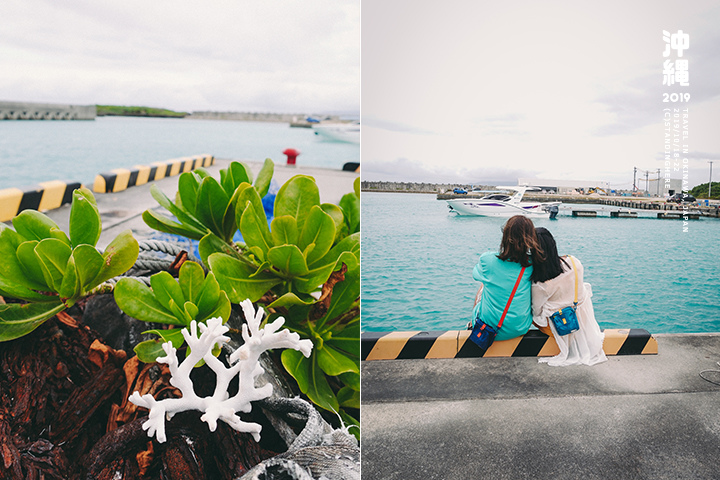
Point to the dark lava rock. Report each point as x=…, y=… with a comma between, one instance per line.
x=118, y=330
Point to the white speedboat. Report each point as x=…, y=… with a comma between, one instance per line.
x=503, y=205
x=339, y=132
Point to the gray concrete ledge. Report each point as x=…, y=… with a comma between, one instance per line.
x=633, y=417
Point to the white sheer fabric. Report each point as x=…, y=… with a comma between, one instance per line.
x=583, y=347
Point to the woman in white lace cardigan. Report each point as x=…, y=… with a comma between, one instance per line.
x=553, y=288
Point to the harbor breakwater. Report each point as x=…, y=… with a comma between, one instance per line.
x=45, y=111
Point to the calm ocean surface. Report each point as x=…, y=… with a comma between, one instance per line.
x=37, y=151
x=417, y=262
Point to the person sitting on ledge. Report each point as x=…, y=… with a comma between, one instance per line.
x=499, y=271
x=553, y=288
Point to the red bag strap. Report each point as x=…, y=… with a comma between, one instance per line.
x=507, y=307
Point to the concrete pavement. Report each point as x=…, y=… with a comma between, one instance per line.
x=633, y=417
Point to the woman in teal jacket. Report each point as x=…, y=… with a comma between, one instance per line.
x=498, y=272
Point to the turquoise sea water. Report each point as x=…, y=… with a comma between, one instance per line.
x=417, y=262
x=37, y=151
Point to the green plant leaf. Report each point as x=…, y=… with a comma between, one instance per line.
x=310, y=378
x=356, y=187
x=10, y=289
x=234, y=175
x=33, y=225
x=149, y=350
x=347, y=397
x=60, y=235
x=207, y=296
x=211, y=205
x=319, y=229
x=290, y=300
x=262, y=182
x=70, y=288
x=188, y=185
x=17, y=319
x=350, y=204
x=338, y=217
x=191, y=278
x=138, y=301
x=222, y=308
x=179, y=312
x=284, y=230
x=161, y=223
x=10, y=267
x=166, y=288
x=85, y=223
x=191, y=310
x=30, y=264
x=210, y=244
x=184, y=216
x=255, y=230
x=296, y=197
x=334, y=362
x=314, y=278
x=53, y=255
x=345, y=293
x=239, y=280
x=289, y=260
x=347, y=340
x=119, y=256
x=88, y=262
x=351, y=379
x=350, y=244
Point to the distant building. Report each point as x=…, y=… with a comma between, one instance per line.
x=655, y=188
x=564, y=186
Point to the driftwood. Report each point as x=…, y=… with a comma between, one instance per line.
x=64, y=414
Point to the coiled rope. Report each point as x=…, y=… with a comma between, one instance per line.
x=154, y=256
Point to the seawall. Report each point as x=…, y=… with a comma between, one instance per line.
x=45, y=111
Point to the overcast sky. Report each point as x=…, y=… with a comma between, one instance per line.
x=486, y=92
x=237, y=55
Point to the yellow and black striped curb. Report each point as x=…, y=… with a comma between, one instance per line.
x=456, y=344
x=42, y=197
x=122, y=178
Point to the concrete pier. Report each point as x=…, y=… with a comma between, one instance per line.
x=45, y=111
x=632, y=417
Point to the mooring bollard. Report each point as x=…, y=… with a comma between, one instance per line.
x=291, y=155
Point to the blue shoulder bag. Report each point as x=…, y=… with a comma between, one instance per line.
x=565, y=319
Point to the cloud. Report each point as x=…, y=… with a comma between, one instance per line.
x=222, y=55
x=638, y=102
x=406, y=170
x=371, y=121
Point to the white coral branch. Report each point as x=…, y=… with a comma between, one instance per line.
x=244, y=363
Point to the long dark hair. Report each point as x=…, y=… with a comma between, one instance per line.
x=519, y=240
x=552, y=264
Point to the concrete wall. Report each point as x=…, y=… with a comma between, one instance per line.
x=45, y=111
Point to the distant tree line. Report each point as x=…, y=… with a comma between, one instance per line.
x=701, y=191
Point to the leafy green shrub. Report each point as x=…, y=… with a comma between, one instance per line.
x=174, y=302
x=50, y=270
x=204, y=207
x=304, y=266
x=288, y=264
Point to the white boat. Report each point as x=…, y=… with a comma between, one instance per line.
x=503, y=205
x=339, y=132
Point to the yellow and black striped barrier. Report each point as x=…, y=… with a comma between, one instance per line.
x=457, y=344
x=45, y=196
x=122, y=178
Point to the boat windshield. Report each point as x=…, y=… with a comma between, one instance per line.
x=497, y=197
